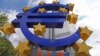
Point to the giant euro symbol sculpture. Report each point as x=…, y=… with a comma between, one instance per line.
x=56, y=19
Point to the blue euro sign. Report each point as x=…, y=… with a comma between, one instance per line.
x=51, y=20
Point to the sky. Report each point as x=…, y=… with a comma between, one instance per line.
x=88, y=12
x=13, y=4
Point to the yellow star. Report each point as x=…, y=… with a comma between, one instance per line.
x=64, y=10
x=75, y=47
x=72, y=18
x=71, y=6
x=23, y=48
x=41, y=10
x=85, y=33
x=7, y=29
x=25, y=9
x=83, y=47
x=42, y=3
x=55, y=2
x=39, y=29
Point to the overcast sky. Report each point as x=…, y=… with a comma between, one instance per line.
x=88, y=11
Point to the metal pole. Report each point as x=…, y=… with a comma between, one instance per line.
x=51, y=34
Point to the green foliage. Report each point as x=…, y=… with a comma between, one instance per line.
x=0, y=34
x=3, y=19
x=6, y=48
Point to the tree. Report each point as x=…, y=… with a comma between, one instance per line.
x=6, y=48
x=3, y=19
